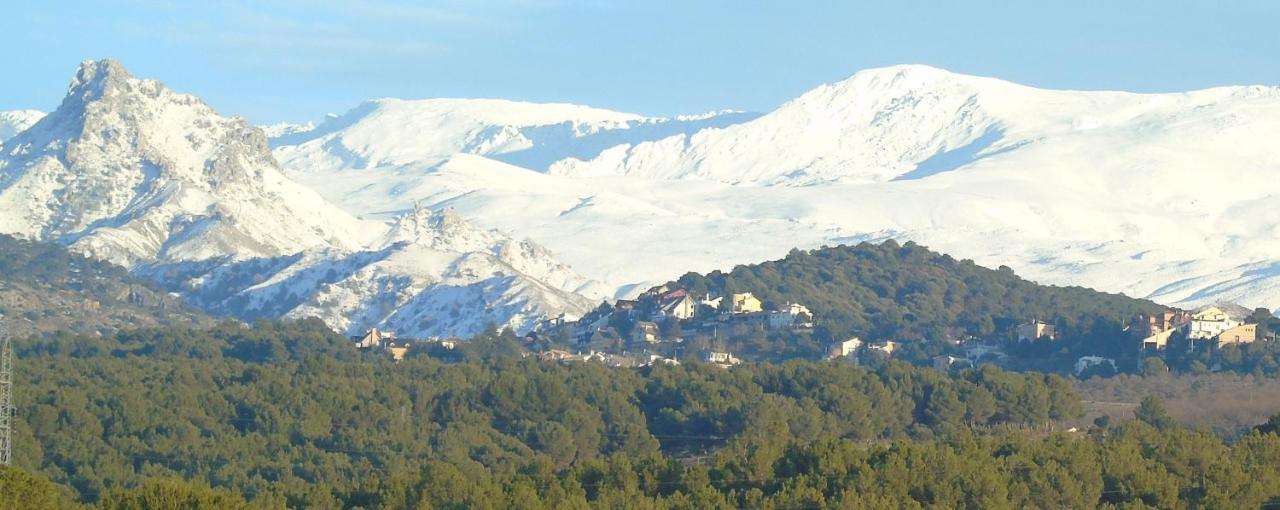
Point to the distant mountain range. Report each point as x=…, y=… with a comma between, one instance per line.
x=130, y=172
x=1162, y=196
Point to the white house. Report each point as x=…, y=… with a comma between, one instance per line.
x=655, y=359
x=844, y=348
x=683, y=307
x=791, y=315
x=1210, y=322
x=721, y=358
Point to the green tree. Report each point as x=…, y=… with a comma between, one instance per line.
x=1154, y=366
x=20, y=489
x=172, y=494
x=1152, y=412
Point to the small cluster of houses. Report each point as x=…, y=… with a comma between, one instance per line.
x=656, y=322
x=608, y=359
x=1216, y=324
x=381, y=339
x=659, y=308
x=625, y=360
x=657, y=318
x=852, y=349
x=1206, y=327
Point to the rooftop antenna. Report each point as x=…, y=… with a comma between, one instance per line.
x=6, y=396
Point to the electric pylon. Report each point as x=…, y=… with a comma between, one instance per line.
x=6, y=397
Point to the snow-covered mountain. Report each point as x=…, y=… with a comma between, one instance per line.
x=908, y=122
x=280, y=129
x=129, y=171
x=1169, y=196
x=432, y=274
x=17, y=121
x=395, y=132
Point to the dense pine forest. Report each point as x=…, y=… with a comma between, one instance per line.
x=184, y=413
x=289, y=415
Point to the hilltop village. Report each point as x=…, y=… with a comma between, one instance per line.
x=671, y=325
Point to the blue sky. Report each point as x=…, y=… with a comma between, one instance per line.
x=297, y=60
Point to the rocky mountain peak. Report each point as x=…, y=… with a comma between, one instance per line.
x=128, y=170
x=97, y=79
x=443, y=229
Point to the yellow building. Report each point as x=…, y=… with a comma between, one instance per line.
x=1036, y=330
x=745, y=302
x=1242, y=334
x=375, y=338
x=887, y=347
x=398, y=351
x=1158, y=341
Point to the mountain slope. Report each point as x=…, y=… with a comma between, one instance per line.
x=433, y=275
x=17, y=121
x=1165, y=196
x=44, y=289
x=128, y=171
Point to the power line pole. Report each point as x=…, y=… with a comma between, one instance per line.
x=6, y=397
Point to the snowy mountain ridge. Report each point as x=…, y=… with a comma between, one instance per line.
x=17, y=121
x=1156, y=195
x=397, y=132
x=882, y=124
x=129, y=171
x=1166, y=196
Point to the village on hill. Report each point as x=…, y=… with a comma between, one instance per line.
x=670, y=325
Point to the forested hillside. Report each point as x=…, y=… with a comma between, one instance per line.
x=292, y=409
x=45, y=288
x=290, y=415
x=906, y=292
